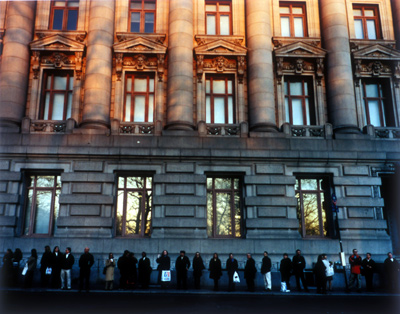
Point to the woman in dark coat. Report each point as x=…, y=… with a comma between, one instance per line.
x=250, y=271
x=56, y=262
x=32, y=264
x=164, y=263
x=198, y=267
x=7, y=269
x=17, y=257
x=132, y=270
x=286, y=269
x=320, y=274
x=231, y=267
x=215, y=269
x=45, y=262
x=144, y=271
x=123, y=265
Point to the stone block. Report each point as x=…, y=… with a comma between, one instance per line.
x=272, y=223
x=354, y=212
x=74, y=222
x=358, y=191
x=86, y=199
x=4, y=164
x=270, y=201
x=269, y=169
x=179, y=178
x=179, y=211
x=265, y=179
x=3, y=187
x=85, y=210
x=180, y=167
x=179, y=223
x=264, y=212
x=179, y=189
x=87, y=177
x=354, y=223
x=7, y=221
x=10, y=176
x=86, y=166
x=360, y=202
x=271, y=190
x=179, y=200
x=357, y=180
x=9, y=198
x=86, y=188
x=356, y=170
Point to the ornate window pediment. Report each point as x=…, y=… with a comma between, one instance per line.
x=220, y=47
x=139, y=45
x=56, y=43
x=377, y=52
x=300, y=49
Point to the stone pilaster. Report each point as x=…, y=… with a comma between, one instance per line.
x=339, y=80
x=15, y=63
x=396, y=20
x=260, y=68
x=180, y=65
x=96, y=110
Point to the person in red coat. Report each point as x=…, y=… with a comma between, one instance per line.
x=355, y=271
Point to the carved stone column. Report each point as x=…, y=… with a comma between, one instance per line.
x=15, y=63
x=180, y=66
x=96, y=109
x=339, y=80
x=260, y=68
x=396, y=20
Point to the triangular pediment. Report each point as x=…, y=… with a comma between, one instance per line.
x=56, y=43
x=139, y=45
x=377, y=52
x=300, y=49
x=220, y=47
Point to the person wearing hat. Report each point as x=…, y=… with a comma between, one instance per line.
x=182, y=265
x=66, y=266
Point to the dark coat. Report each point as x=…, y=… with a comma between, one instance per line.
x=391, y=268
x=215, y=268
x=144, y=269
x=131, y=269
x=123, y=265
x=266, y=265
x=319, y=270
x=182, y=264
x=286, y=266
x=198, y=266
x=57, y=261
x=250, y=269
x=86, y=261
x=231, y=266
x=369, y=267
x=299, y=263
x=46, y=261
x=67, y=263
x=164, y=262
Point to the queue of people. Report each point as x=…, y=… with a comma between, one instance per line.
x=56, y=268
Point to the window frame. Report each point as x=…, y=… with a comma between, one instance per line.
x=364, y=19
x=227, y=77
x=66, y=10
x=291, y=17
x=33, y=210
x=232, y=192
x=322, y=205
x=142, y=12
x=311, y=106
x=142, y=233
x=68, y=91
x=217, y=15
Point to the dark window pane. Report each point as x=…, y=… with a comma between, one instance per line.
x=43, y=212
x=149, y=23
x=135, y=22
x=72, y=20
x=58, y=19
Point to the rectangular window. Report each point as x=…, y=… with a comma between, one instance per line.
x=377, y=108
x=142, y=14
x=313, y=197
x=299, y=105
x=366, y=21
x=42, y=205
x=220, y=104
x=224, y=217
x=134, y=206
x=56, y=102
x=64, y=15
x=293, y=19
x=218, y=17
x=139, y=97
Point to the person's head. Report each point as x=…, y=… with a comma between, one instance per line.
x=298, y=252
x=9, y=251
x=18, y=254
x=324, y=256
x=182, y=253
x=355, y=251
x=197, y=254
x=368, y=255
x=285, y=255
x=230, y=255
x=215, y=255
x=110, y=255
x=47, y=249
x=67, y=250
x=86, y=250
x=126, y=253
x=390, y=255
x=143, y=254
x=265, y=253
x=34, y=253
x=320, y=258
x=56, y=249
x=165, y=253
x=248, y=255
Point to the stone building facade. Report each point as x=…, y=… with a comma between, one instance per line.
x=229, y=126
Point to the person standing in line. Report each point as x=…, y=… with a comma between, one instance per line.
x=132, y=270
x=66, y=267
x=266, y=271
x=56, y=263
x=182, y=265
x=32, y=264
x=7, y=268
x=285, y=269
x=329, y=272
x=215, y=269
x=250, y=271
x=198, y=267
x=392, y=270
x=369, y=266
x=320, y=274
x=355, y=271
x=164, y=263
x=231, y=267
x=123, y=265
x=16, y=259
x=144, y=271
x=110, y=267
x=299, y=263
x=45, y=263
x=85, y=263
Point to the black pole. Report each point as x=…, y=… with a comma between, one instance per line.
x=341, y=248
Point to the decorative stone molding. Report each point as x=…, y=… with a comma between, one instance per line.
x=35, y=64
x=205, y=39
x=279, y=42
x=126, y=36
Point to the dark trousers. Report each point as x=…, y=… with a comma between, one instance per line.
x=250, y=284
x=84, y=276
x=231, y=285
x=216, y=284
x=321, y=285
x=181, y=279
x=368, y=281
x=300, y=275
x=197, y=281
x=55, y=278
x=28, y=279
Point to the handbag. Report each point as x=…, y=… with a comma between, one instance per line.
x=24, y=271
x=165, y=275
x=48, y=271
x=236, y=277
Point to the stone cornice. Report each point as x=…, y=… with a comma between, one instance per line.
x=124, y=36
x=140, y=45
x=220, y=47
x=280, y=41
x=204, y=39
x=377, y=52
x=300, y=49
x=56, y=42
x=75, y=35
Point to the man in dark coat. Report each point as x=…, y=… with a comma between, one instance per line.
x=164, y=263
x=299, y=263
x=123, y=265
x=369, y=266
x=182, y=265
x=144, y=271
x=45, y=263
x=66, y=266
x=392, y=271
x=250, y=271
x=286, y=269
x=215, y=269
x=198, y=267
x=231, y=267
x=56, y=263
x=320, y=274
x=132, y=270
x=85, y=263
x=266, y=271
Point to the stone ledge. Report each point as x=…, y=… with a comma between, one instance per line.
x=86, y=199
x=179, y=223
x=100, y=222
